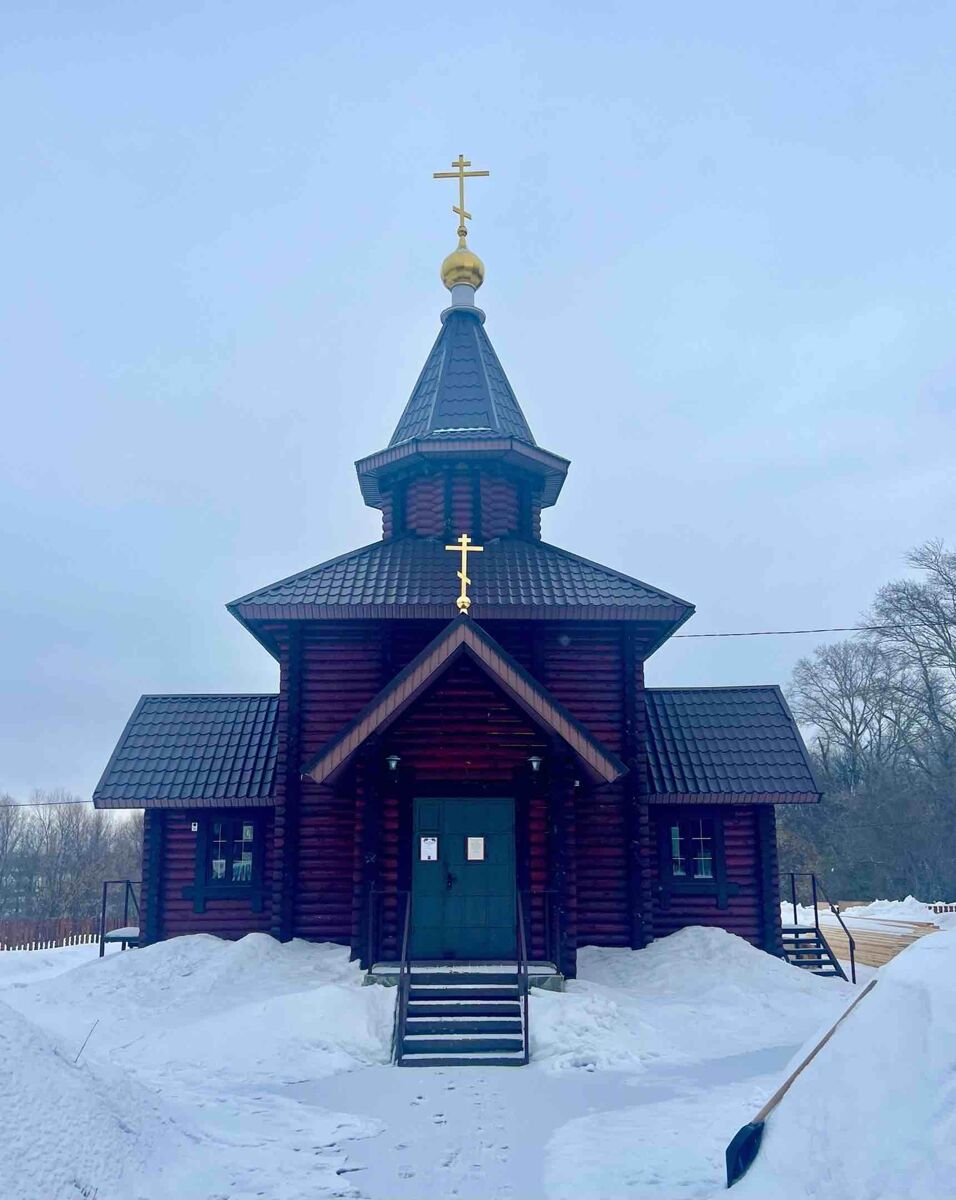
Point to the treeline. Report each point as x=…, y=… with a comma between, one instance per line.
x=881, y=713
x=55, y=853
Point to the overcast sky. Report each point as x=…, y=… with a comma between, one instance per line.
x=720, y=263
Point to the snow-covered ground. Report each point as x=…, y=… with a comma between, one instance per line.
x=226, y=1071
x=875, y=914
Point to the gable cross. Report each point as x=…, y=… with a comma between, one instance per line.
x=461, y=175
x=464, y=546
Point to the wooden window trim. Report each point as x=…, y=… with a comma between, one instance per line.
x=203, y=888
x=670, y=885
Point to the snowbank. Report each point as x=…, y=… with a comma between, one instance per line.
x=698, y=994
x=874, y=1116
x=199, y=1008
x=67, y=1130
x=179, y=1091
x=28, y=966
x=909, y=909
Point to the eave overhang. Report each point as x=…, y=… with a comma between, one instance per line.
x=741, y=798
x=462, y=636
x=549, y=469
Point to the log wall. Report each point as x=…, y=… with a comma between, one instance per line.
x=744, y=914
x=224, y=918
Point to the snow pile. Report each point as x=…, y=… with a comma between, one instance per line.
x=873, y=1117
x=909, y=909
x=197, y=1008
x=30, y=966
x=68, y=1129
x=179, y=1092
x=629, y=1009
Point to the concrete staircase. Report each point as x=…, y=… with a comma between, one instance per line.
x=462, y=1017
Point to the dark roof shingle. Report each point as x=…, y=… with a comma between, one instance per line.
x=726, y=742
x=182, y=751
x=462, y=389
x=413, y=576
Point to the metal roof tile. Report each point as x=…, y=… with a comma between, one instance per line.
x=193, y=747
x=415, y=572
x=462, y=390
x=724, y=741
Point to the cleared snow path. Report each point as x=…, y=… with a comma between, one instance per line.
x=493, y=1135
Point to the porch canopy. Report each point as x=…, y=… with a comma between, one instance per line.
x=462, y=636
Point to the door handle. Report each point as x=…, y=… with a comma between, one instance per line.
x=449, y=880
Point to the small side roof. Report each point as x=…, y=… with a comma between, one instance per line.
x=726, y=745
x=192, y=752
x=463, y=636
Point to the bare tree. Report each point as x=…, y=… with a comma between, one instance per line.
x=880, y=713
x=11, y=835
x=849, y=695
x=62, y=851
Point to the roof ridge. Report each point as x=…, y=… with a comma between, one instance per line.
x=719, y=687
x=210, y=696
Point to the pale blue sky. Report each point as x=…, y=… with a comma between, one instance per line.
x=720, y=255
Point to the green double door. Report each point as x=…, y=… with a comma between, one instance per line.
x=463, y=879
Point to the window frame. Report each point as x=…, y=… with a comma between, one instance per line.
x=669, y=884
x=204, y=887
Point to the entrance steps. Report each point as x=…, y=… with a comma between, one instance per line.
x=462, y=1017
x=805, y=946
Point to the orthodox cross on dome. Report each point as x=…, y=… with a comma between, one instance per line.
x=464, y=546
x=461, y=175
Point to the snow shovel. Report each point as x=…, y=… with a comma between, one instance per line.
x=743, y=1149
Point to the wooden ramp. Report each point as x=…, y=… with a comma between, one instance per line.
x=877, y=939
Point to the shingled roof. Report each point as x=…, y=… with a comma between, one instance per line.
x=192, y=751
x=514, y=577
x=462, y=390
x=727, y=744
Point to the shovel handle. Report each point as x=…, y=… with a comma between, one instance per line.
x=785, y=1086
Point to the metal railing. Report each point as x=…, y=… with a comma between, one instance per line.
x=404, y=984
x=130, y=902
x=816, y=894
x=523, y=979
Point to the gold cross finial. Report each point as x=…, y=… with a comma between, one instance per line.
x=461, y=175
x=464, y=546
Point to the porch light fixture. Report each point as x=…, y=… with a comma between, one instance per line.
x=393, y=760
x=535, y=762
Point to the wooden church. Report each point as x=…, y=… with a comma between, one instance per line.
x=462, y=762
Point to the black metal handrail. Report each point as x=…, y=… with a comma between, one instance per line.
x=129, y=899
x=523, y=979
x=817, y=891
x=404, y=983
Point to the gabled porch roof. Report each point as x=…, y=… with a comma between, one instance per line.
x=463, y=636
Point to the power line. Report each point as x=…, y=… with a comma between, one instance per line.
x=789, y=632
x=45, y=803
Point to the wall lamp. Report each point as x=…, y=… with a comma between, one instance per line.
x=535, y=762
x=393, y=760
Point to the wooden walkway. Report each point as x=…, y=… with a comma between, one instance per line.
x=877, y=939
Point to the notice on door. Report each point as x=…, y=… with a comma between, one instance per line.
x=475, y=849
x=428, y=849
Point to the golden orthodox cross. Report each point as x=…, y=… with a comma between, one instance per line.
x=464, y=546
x=461, y=175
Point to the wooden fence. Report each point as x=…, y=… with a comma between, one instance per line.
x=25, y=934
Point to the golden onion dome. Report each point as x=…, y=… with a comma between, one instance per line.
x=462, y=266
